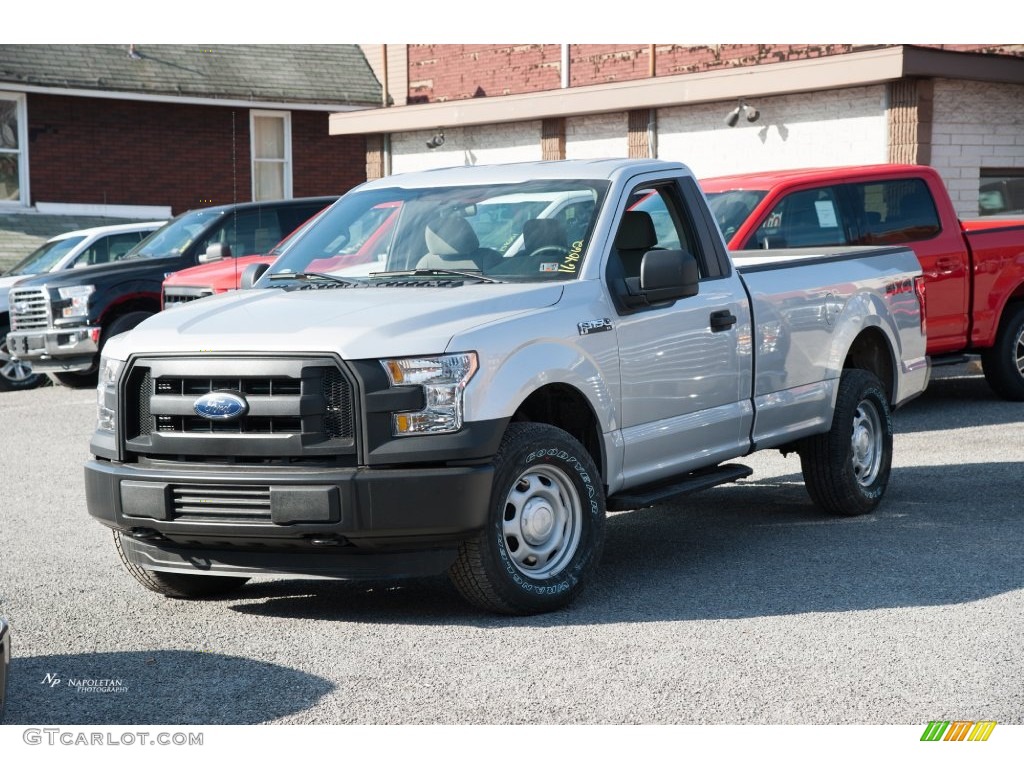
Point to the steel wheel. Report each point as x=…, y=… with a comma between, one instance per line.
x=866, y=443
x=542, y=521
x=846, y=470
x=545, y=525
x=15, y=373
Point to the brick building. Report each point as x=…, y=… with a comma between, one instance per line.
x=959, y=108
x=92, y=133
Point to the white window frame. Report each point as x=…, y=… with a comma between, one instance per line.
x=21, y=105
x=286, y=162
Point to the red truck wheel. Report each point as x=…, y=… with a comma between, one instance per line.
x=1003, y=364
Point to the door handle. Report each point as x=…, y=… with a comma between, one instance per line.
x=722, y=321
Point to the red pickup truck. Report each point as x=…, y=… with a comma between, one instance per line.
x=226, y=274
x=974, y=270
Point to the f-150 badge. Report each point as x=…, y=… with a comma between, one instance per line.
x=594, y=326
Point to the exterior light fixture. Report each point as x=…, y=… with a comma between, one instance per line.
x=742, y=108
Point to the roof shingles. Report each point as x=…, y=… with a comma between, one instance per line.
x=299, y=74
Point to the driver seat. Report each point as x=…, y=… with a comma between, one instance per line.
x=452, y=244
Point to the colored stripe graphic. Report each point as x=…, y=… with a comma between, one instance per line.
x=982, y=730
x=958, y=730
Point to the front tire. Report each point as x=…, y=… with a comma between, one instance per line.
x=15, y=374
x=1003, y=363
x=182, y=586
x=846, y=470
x=545, y=529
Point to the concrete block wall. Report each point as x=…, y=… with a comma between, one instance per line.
x=596, y=136
x=839, y=127
x=975, y=126
x=471, y=145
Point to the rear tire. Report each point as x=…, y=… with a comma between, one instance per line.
x=1003, y=363
x=846, y=470
x=181, y=586
x=545, y=528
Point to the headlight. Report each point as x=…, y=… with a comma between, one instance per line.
x=79, y=296
x=106, y=394
x=443, y=380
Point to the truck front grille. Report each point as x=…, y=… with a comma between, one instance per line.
x=30, y=308
x=176, y=295
x=296, y=408
x=221, y=502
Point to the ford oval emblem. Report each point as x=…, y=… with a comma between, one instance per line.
x=221, y=406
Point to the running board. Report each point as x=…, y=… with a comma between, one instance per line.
x=950, y=359
x=701, y=480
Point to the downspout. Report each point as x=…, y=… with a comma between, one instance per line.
x=386, y=138
x=652, y=119
x=565, y=65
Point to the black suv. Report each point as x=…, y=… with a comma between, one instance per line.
x=59, y=322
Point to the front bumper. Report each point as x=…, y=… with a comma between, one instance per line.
x=57, y=350
x=343, y=522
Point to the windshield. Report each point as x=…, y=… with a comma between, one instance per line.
x=533, y=231
x=173, y=237
x=732, y=208
x=45, y=257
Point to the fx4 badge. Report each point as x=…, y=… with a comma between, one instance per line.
x=594, y=326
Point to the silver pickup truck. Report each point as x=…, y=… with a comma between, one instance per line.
x=532, y=345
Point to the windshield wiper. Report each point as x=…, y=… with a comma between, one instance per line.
x=315, y=276
x=436, y=273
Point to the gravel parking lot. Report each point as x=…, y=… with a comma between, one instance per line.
x=740, y=605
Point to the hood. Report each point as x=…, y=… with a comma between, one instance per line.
x=355, y=323
x=99, y=272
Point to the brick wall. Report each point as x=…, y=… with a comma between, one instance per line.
x=114, y=152
x=975, y=126
x=451, y=72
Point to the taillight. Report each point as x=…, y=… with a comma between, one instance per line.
x=919, y=290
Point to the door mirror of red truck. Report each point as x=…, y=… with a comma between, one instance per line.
x=215, y=251
x=251, y=274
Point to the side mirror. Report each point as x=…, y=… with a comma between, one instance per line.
x=664, y=276
x=215, y=251
x=251, y=274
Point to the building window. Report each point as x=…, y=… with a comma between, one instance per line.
x=13, y=150
x=271, y=155
x=1001, y=192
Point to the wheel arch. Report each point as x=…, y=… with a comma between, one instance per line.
x=564, y=406
x=871, y=351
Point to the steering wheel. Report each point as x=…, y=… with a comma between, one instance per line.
x=559, y=250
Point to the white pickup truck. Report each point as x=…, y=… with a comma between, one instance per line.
x=534, y=344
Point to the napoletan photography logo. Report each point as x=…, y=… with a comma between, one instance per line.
x=85, y=684
x=958, y=730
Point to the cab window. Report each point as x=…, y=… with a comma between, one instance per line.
x=809, y=218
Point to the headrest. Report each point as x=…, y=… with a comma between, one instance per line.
x=451, y=235
x=538, y=233
x=636, y=232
